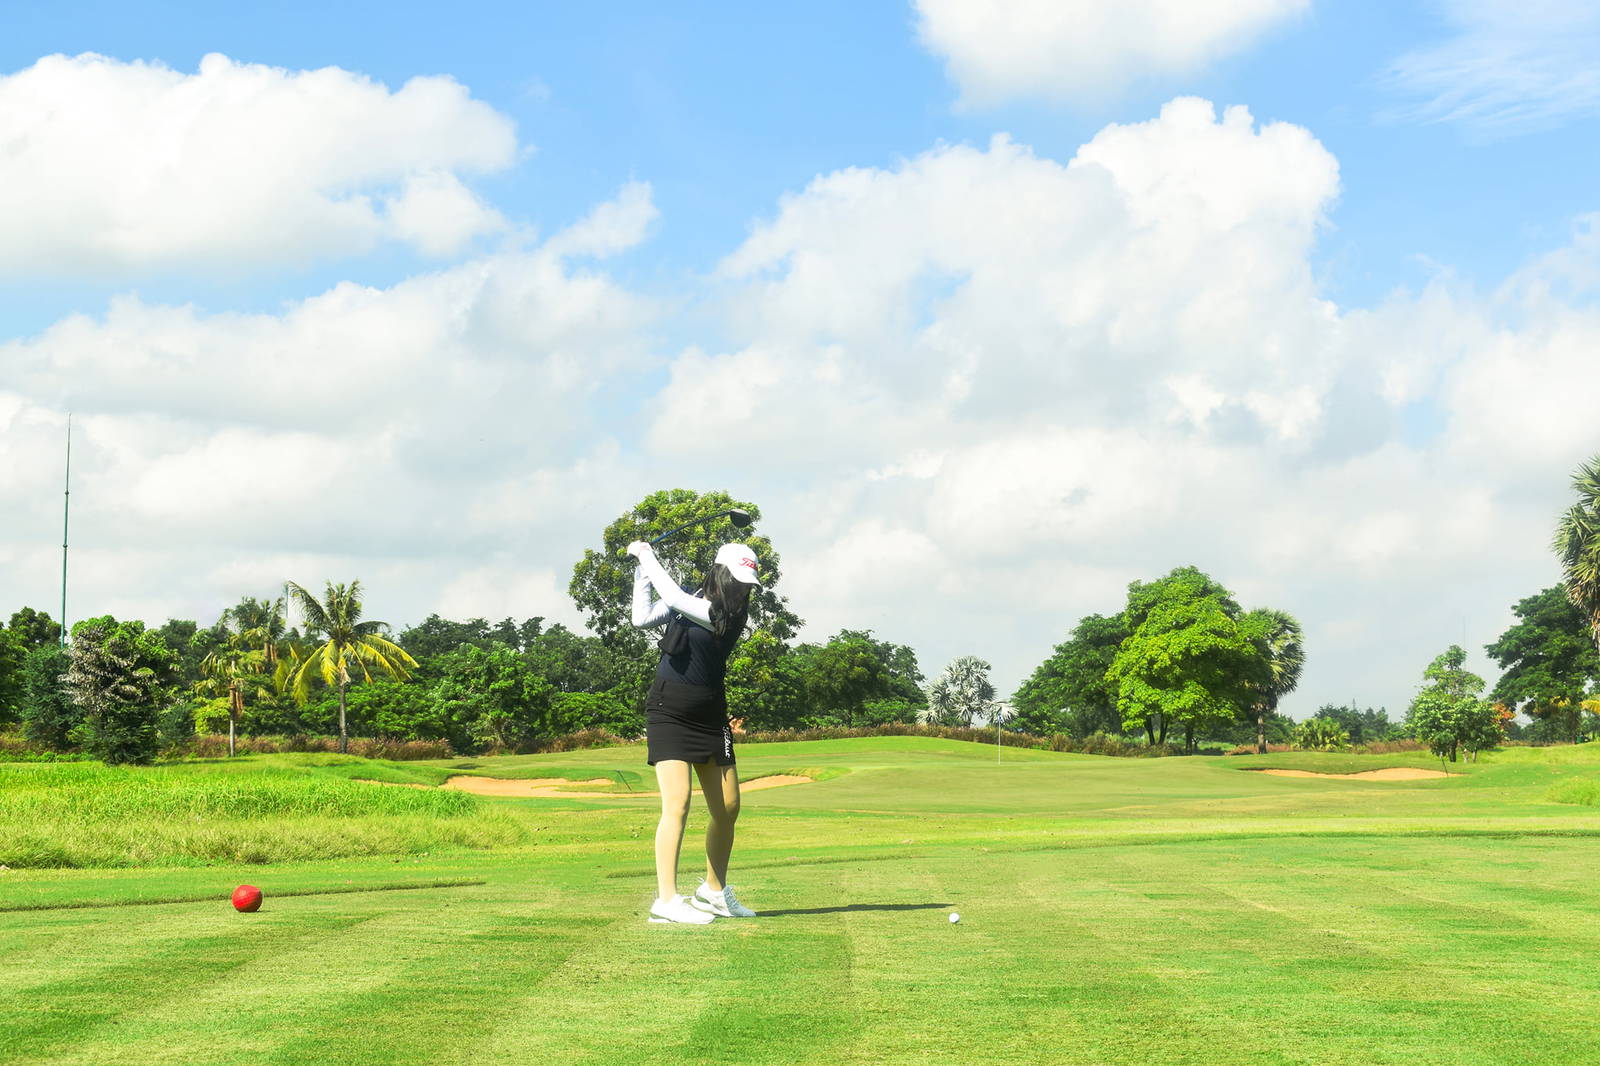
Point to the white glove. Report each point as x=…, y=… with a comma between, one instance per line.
x=638, y=549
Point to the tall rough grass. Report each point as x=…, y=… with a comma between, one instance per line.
x=1585, y=792
x=93, y=815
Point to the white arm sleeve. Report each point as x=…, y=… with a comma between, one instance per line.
x=685, y=603
x=646, y=614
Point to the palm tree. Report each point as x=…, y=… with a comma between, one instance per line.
x=252, y=650
x=347, y=642
x=963, y=694
x=263, y=624
x=1278, y=636
x=1578, y=544
x=232, y=668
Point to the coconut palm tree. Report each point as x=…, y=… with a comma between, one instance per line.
x=1577, y=543
x=346, y=642
x=1278, y=636
x=264, y=626
x=234, y=667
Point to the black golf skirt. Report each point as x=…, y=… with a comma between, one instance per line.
x=688, y=722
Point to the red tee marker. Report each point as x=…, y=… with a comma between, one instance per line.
x=247, y=898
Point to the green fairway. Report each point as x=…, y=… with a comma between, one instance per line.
x=1113, y=911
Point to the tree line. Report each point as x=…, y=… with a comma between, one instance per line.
x=1182, y=658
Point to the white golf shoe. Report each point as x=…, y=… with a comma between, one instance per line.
x=678, y=909
x=723, y=904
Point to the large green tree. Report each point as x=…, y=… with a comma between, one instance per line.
x=120, y=677
x=489, y=696
x=1068, y=692
x=1448, y=714
x=1361, y=726
x=190, y=645
x=342, y=641
x=1188, y=661
x=27, y=631
x=766, y=682
x=35, y=628
x=13, y=653
x=1282, y=645
x=48, y=713
x=435, y=636
x=1550, y=663
x=575, y=662
x=602, y=581
x=844, y=674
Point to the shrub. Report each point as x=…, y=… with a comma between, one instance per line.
x=215, y=746
x=585, y=712
x=582, y=739
x=1321, y=734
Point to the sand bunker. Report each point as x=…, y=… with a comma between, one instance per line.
x=549, y=787
x=1389, y=773
x=526, y=786
x=773, y=781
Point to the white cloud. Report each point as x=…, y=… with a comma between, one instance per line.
x=1509, y=68
x=611, y=227
x=990, y=389
x=975, y=395
x=1085, y=49
x=973, y=284
x=423, y=430
x=109, y=168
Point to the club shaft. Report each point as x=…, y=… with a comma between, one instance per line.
x=686, y=525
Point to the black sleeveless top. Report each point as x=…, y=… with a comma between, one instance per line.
x=692, y=655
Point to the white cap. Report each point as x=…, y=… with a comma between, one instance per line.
x=741, y=561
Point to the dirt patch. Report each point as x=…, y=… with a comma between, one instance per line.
x=1388, y=773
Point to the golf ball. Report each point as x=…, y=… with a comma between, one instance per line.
x=954, y=917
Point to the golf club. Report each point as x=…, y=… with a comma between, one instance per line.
x=733, y=514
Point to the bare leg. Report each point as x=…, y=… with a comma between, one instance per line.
x=672, y=777
x=720, y=786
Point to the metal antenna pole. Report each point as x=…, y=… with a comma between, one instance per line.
x=66, y=510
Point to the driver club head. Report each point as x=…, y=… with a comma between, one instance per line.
x=739, y=518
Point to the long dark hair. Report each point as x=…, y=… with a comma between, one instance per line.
x=730, y=601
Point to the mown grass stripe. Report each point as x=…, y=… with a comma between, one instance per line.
x=655, y=982
x=459, y=982
x=112, y=988
x=203, y=897
x=278, y=993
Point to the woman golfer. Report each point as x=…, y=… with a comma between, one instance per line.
x=686, y=719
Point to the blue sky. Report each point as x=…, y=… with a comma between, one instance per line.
x=724, y=108
x=1410, y=241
